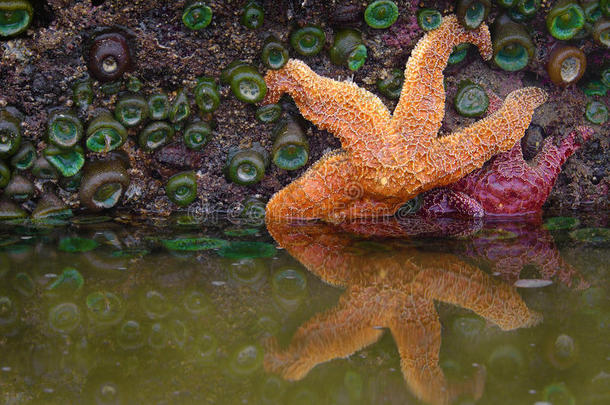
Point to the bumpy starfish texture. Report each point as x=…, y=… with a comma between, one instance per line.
x=388, y=159
x=394, y=289
x=507, y=184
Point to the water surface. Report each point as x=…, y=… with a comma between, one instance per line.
x=100, y=311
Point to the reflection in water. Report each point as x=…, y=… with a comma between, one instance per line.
x=394, y=287
x=105, y=313
x=507, y=248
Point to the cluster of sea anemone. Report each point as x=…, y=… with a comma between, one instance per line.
x=81, y=144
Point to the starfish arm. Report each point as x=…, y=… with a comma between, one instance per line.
x=456, y=282
x=318, y=246
x=441, y=201
x=336, y=333
x=549, y=160
x=329, y=190
x=354, y=115
x=326, y=186
x=509, y=185
x=421, y=105
x=460, y=153
x=417, y=332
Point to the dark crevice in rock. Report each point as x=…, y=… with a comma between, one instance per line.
x=43, y=14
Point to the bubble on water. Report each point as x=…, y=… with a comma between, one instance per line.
x=207, y=344
x=104, y=308
x=64, y=318
x=196, y=303
x=246, y=359
x=155, y=304
x=505, y=361
x=129, y=335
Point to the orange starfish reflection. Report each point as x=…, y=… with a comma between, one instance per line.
x=386, y=159
x=393, y=289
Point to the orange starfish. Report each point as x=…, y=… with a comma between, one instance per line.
x=388, y=159
x=393, y=289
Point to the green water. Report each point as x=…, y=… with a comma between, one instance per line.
x=112, y=313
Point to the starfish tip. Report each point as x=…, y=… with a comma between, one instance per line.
x=586, y=132
x=486, y=48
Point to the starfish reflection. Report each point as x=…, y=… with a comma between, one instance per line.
x=509, y=247
x=396, y=289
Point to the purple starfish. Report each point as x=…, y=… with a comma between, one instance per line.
x=507, y=184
